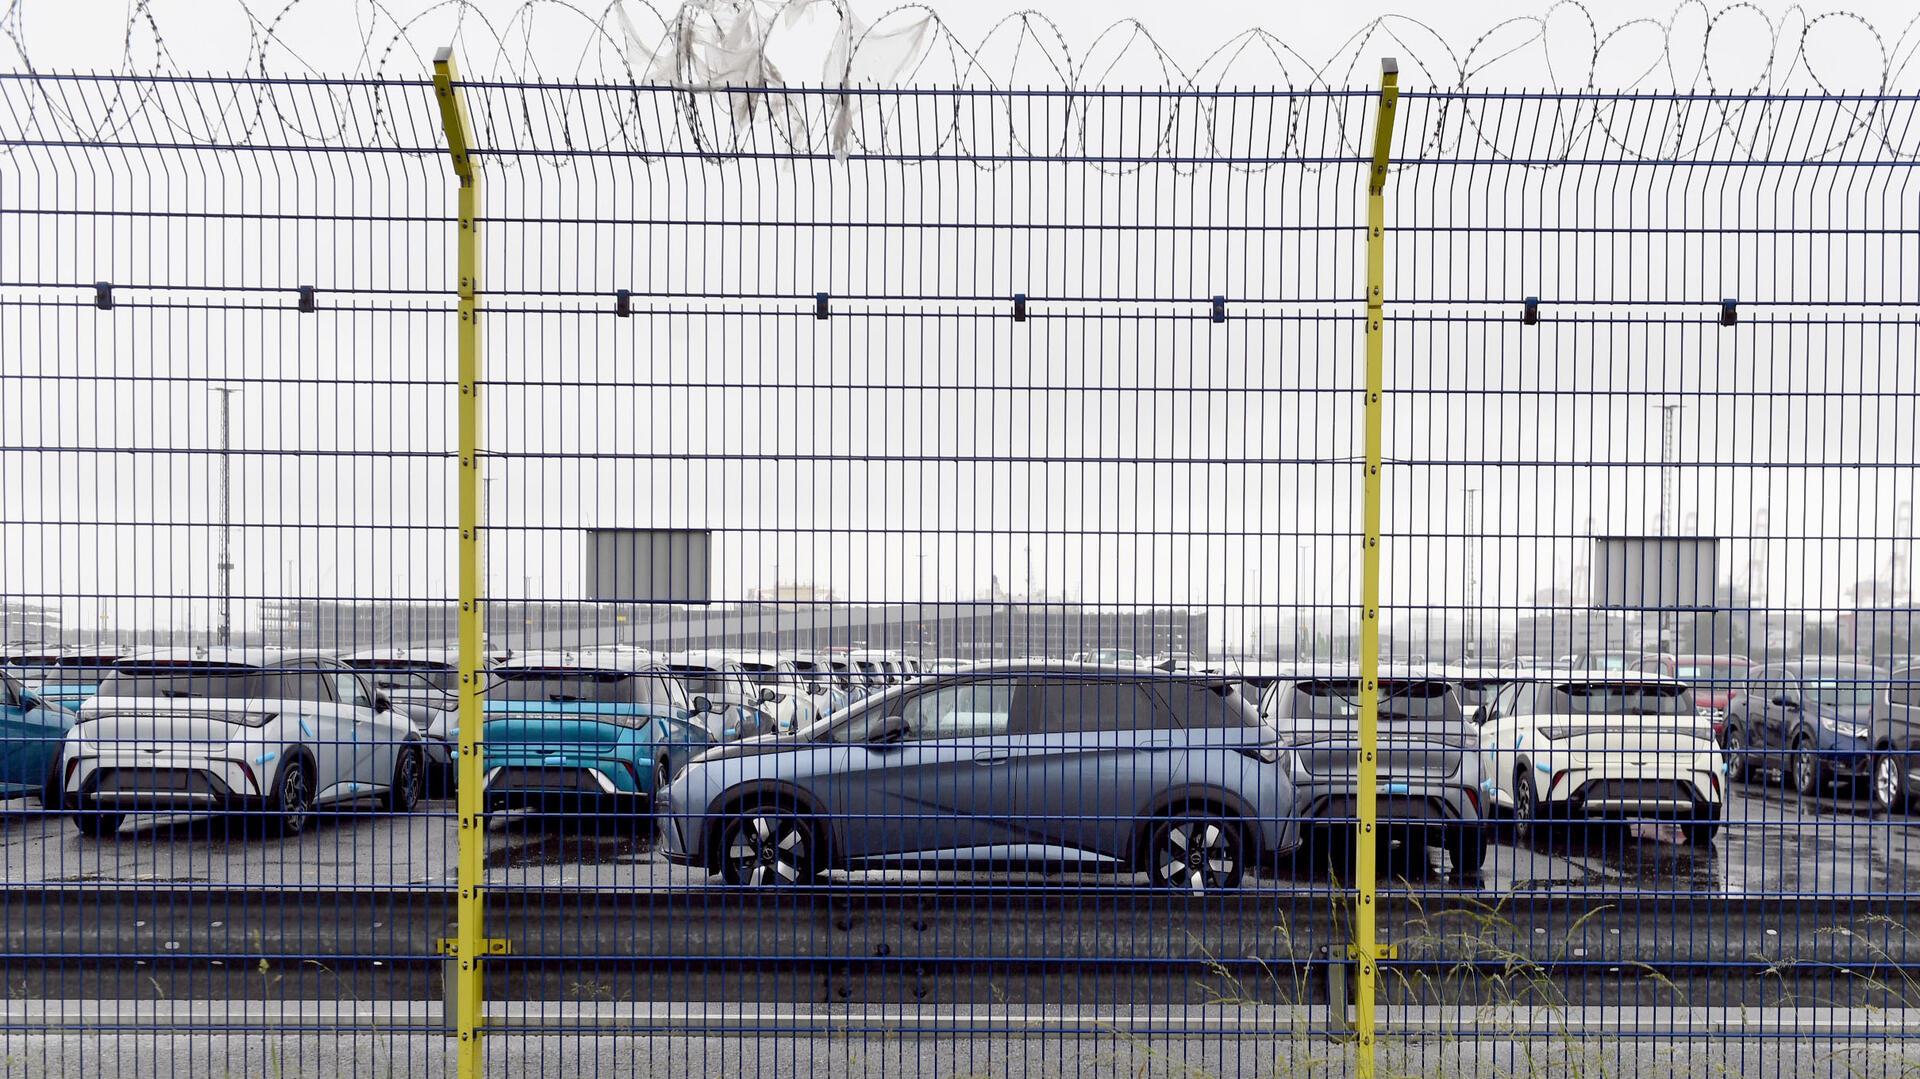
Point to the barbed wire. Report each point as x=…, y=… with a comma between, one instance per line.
x=1728, y=79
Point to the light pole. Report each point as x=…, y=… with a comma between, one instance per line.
x=225, y=565
x=1669, y=435
x=1472, y=626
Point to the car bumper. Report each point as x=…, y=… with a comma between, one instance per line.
x=162, y=782
x=1398, y=803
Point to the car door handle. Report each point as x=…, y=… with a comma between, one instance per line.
x=991, y=760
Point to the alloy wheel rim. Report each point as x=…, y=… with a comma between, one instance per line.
x=768, y=851
x=294, y=793
x=1803, y=771
x=1887, y=781
x=409, y=779
x=1196, y=856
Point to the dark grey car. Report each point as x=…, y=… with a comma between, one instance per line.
x=1061, y=765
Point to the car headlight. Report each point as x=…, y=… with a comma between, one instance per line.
x=1848, y=730
x=1555, y=734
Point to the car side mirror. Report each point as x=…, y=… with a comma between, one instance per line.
x=892, y=731
x=702, y=704
x=1788, y=703
x=381, y=705
x=816, y=687
x=767, y=696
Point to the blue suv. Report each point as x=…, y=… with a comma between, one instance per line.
x=1813, y=719
x=1070, y=766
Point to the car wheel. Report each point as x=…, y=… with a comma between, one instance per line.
x=409, y=780
x=50, y=798
x=1197, y=853
x=768, y=847
x=1738, y=767
x=291, y=804
x=1467, y=847
x=1702, y=828
x=1889, y=783
x=98, y=824
x=1808, y=775
x=1528, y=814
x=661, y=777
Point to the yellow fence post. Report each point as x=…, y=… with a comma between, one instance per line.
x=468, y=945
x=1366, y=930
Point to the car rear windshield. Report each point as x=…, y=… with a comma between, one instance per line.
x=57, y=670
x=704, y=681
x=1623, y=699
x=409, y=674
x=1339, y=698
x=194, y=681
x=765, y=674
x=568, y=685
x=1477, y=691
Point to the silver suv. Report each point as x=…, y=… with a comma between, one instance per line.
x=1429, y=764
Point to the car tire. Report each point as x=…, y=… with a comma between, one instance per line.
x=290, y=806
x=662, y=775
x=98, y=824
x=1702, y=828
x=409, y=780
x=1738, y=766
x=1196, y=852
x=1529, y=814
x=1890, y=793
x=768, y=846
x=51, y=798
x=1467, y=847
x=1807, y=774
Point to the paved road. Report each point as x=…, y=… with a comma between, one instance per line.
x=1775, y=843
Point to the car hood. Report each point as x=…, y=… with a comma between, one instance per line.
x=754, y=747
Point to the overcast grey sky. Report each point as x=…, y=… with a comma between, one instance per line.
x=646, y=422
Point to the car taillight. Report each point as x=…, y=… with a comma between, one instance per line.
x=72, y=767
x=247, y=770
x=1473, y=799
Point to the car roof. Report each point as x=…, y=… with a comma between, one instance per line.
x=626, y=661
x=233, y=656
x=437, y=654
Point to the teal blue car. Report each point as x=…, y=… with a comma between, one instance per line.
x=63, y=680
x=31, y=731
x=587, y=733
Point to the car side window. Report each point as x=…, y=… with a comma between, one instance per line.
x=1071, y=706
x=964, y=710
x=350, y=690
x=9, y=692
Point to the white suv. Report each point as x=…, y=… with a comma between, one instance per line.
x=1602, y=745
x=235, y=729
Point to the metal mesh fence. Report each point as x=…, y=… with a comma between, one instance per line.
x=919, y=539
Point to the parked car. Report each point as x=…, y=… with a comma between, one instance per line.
x=1895, y=735
x=236, y=730
x=424, y=686
x=817, y=676
x=1812, y=719
x=1713, y=679
x=1428, y=763
x=31, y=730
x=1063, y=765
x=1602, y=745
x=722, y=680
x=64, y=679
x=587, y=733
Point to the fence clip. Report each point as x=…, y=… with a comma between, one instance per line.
x=1019, y=307
x=103, y=295
x=1219, y=309
x=1729, y=311
x=622, y=303
x=820, y=306
x=1531, y=316
x=309, y=302
x=449, y=946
